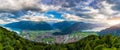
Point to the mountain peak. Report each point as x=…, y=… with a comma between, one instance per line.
x=30, y=25
x=111, y=30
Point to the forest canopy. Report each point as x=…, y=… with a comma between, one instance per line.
x=11, y=41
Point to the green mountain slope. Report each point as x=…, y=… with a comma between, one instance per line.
x=10, y=41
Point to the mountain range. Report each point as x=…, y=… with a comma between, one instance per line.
x=114, y=30
x=30, y=25
x=65, y=27
x=79, y=26
x=71, y=27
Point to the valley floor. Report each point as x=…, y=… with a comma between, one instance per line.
x=48, y=37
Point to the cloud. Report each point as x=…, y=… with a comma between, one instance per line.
x=2, y=22
x=71, y=17
x=41, y=17
x=84, y=11
x=116, y=4
x=7, y=20
x=14, y=5
x=29, y=16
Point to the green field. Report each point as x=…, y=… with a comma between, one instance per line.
x=48, y=39
x=83, y=34
x=33, y=33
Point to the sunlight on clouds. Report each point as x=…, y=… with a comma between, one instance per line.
x=113, y=22
x=7, y=20
x=72, y=17
x=107, y=8
x=103, y=14
x=50, y=7
x=38, y=18
x=100, y=15
x=21, y=4
x=16, y=4
x=2, y=22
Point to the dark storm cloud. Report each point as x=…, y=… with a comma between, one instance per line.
x=70, y=9
x=18, y=13
x=116, y=4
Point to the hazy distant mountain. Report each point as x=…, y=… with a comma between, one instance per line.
x=78, y=26
x=115, y=30
x=63, y=25
x=30, y=25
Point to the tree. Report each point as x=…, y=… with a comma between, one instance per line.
x=109, y=48
x=8, y=47
x=1, y=47
x=99, y=47
x=87, y=47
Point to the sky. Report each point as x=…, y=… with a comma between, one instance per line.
x=92, y=11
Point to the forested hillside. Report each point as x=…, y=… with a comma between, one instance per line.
x=10, y=41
